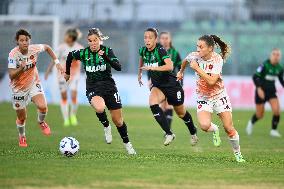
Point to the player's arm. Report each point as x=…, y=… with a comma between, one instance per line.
x=257, y=77
x=140, y=71
x=210, y=79
x=281, y=78
x=13, y=70
x=180, y=73
x=51, y=53
x=111, y=59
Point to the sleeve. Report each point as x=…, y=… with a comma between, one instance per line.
x=190, y=57
x=163, y=53
x=281, y=77
x=257, y=77
x=40, y=48
x=178, y=60
x=77, y=54
x=112, y=59
x=141, y=51
x=69, y=61
x=12, y=62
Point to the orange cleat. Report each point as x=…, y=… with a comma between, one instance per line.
x=45, y=128
x=23, y=141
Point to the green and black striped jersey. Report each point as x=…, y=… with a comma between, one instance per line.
x=155, y=58
x=98, y=68
x=266, y=74
x=175, y=57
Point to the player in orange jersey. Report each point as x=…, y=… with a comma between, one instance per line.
x=211, y=93
x=25, y=83
x=70, y=44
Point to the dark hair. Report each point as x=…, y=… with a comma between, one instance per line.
x=96, y=31
x=22, y=32
x=167, y=33
x=74, y=33
x=154, y=30
x=211, y=40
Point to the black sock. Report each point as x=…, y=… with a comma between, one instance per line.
x=103, y=118
x=123, y=133
x=254, y=119
x=189, y=123
x=161, y=118
x=275, y=121
x=169, y=116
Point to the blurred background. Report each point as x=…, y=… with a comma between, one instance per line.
x=251, y=27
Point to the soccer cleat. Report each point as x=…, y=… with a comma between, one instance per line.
x=169, y=139
x=23, y=141
x=275, y=133
x=216, y=138
x=45, y=128
x=73, y=120
x=239, y=157
x=129, y=148
x=194, y=140
x=66, y=123
x=108, y=136
x=249, y=128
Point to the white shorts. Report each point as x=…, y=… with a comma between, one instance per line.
x=21, y=99
x=220, y=103
x=72, y=84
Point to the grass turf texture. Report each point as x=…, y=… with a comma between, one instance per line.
x=99, y=165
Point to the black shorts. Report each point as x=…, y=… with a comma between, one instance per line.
x=108, y=93
x=268, y=95
x=174, y=94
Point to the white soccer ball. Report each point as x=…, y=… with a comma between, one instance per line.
x=69, y=146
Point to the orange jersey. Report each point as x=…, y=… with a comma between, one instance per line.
x=211, y=66
x=29, y=76
x=62, y=53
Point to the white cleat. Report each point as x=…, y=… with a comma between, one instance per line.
x=275, y=133
x=129, y=148
x=169, y=139
x=249, y=128
x=108, y=136
x=194, y=140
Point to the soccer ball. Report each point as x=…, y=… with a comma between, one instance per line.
x=69, y=146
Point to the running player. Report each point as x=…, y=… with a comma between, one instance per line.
x=70, y=44
x=101, y=90
x=155, y=59
x=211, y=93
x=25, y=83
x=264, y=80
x=166, y=41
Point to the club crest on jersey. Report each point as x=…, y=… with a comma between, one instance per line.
x=96, y=68
x=32, y=57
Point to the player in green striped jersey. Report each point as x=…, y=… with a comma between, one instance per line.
x=166, y=41
x=101, y=90
x=155, y=59
x=264, y=80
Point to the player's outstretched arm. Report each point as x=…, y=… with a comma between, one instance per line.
x=169, y=66
x=180, y=74
x=140, y=72
x=281, y=78
x=49, y=50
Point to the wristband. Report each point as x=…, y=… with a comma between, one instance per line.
x=56, y=61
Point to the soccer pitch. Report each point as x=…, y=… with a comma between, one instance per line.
x=99, y=165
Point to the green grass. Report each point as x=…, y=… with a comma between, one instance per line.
x=99, y=165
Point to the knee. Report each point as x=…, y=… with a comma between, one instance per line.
x=259, y=115
x=42, y=108
x=204, y=125
x=118, y=121
x=100, y=109
x=180, y=114
x=64, y=96
x=21, y=119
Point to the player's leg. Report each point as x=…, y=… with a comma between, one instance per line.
x=74, y=107
x=168, y=110
x=187, y=118
x=40, y=102
x=74, y=102
x=98, y=103
x=274, y=103
x=116, y=115
x=20, y=122
x=259, y=113
x=64, y=106
x=155, y=98
x=232, y=133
